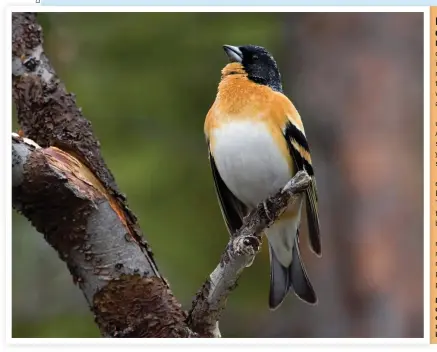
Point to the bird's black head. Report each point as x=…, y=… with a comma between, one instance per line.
x=258, y=63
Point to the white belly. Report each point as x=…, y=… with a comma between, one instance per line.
x=249, y=161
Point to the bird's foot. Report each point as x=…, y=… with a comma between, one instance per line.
x=247, y=245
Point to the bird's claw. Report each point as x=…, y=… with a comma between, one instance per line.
x=269, y=214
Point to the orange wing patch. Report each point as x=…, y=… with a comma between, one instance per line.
x=304, y=153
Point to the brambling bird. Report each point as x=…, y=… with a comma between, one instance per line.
x=257, y=143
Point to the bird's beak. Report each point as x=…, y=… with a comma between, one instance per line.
x=234, y=53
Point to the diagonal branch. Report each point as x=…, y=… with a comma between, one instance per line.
x=69, y=205
x=49, y=115
x=240, y=253
x=65, y=189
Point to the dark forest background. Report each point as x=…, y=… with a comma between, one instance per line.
x=146, y=82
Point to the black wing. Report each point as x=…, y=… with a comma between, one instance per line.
x=232, y=209
x=292, y=134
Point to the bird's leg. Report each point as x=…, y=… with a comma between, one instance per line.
x=246, y=218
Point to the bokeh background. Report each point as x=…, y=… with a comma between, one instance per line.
x=147, y=80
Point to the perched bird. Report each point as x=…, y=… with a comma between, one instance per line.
x=256, y=143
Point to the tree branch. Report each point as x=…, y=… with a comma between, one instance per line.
x=67, y=203
x=65, y=189
x=239, y=254
x=49, y=115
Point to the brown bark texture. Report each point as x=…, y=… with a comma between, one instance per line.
x=69, y=195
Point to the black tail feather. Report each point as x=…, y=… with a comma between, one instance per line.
x=298, y=276
x=295, y=278
x=279, y=281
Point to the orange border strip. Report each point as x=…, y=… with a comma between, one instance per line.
x=433, y=168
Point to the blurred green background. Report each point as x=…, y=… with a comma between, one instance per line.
x=146, y=82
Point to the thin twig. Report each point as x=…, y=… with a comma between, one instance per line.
x=240, y=253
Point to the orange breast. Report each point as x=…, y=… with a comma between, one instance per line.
x=239, y=99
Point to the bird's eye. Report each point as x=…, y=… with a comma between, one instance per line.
x=255, y=57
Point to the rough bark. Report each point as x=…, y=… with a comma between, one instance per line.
x=69, y=195
x=49, y=115
x=69, y=205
